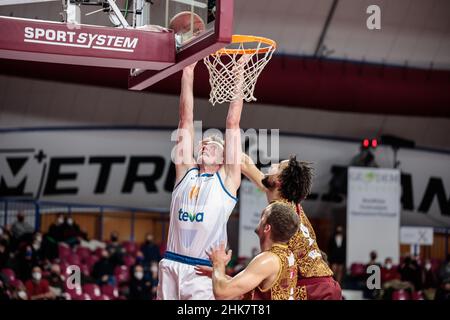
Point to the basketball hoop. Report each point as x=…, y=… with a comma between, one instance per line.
x=245, y=57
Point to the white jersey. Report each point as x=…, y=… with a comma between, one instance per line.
x=199, y=214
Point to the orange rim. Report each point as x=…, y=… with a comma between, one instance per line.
x=237, y=38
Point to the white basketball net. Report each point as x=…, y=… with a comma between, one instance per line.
x=224, y=70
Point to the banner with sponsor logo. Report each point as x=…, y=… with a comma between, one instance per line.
x=56, y=42
x=373, y=214
x=133, y=168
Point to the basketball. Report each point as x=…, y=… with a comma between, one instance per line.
x=181, y=23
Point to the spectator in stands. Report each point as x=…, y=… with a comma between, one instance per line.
x=71, y=231
x=4, y=253
x=38, y=288
x=21, y=229
x=115, y=249
x=337, y=251
x=444, y=272
x=429, y=278
x=373, y=259
x=56, y=230
x=4, y=292
x=410, y=271
x=36, y=246
x=150, y=250
x=56, y=281
x=443, y=292
x=140, y=286
x=103, y=269
x=25, y=262
x=388, y=272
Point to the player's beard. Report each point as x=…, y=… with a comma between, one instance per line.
x=267, y=183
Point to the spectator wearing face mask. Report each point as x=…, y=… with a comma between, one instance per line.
x=388, y=272
x=56, y=230
x=150, y=250
x=71, y=232
x=115, y=249
x=337, y=252
x=56, y=281
x=140, y=286
x=37, y=287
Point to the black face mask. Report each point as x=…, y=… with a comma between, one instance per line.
x=267, y=183
x=114, y=239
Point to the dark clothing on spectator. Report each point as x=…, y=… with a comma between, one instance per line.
x=115, y=250
x=410, y=271
x=140, y=289
x=336, y=253
x=101, y=268
x=429, y=279
x=20, y=229
x=151, y=252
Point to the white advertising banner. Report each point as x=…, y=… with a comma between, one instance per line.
x=373, y=214
x=252, y=203
x=416, y=236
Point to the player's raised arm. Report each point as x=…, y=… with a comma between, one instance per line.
x=251, y=171
x=233, y=147
x=185, y=139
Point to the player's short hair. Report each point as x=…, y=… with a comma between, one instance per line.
x=215, y=138
x=296, y=180
x=283, y=220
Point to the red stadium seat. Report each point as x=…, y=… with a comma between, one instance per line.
x=64, y=251
x=91, y=260
x=400, y=295
x=93, y=291
x=16, y=283
x=110, y=291
x=73, y=259
x=129, y=260
x=122, y=274
x=9, y=273
x=83, y=253
x=357, y=269
x=418, y=295
x=130, y=247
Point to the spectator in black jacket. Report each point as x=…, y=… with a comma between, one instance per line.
x=337, y=253
x=140, y=285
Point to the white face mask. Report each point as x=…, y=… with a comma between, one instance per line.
x=388, y=266
x=70, y=221
x=139, y=275
x=154, y=268
x=427, y=266
x=37, y=276
x=60, y=220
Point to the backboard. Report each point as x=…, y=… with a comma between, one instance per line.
x=132, y=35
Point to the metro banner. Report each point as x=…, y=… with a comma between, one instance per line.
x=55, y=42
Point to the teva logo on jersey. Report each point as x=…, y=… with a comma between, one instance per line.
x=80, y=40
x=192, y=217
